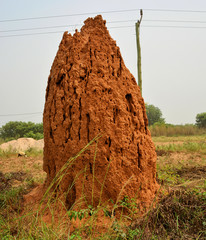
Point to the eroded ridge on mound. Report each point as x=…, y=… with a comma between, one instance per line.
x=90, y=91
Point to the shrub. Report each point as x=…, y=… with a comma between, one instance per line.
x=201, y=120
x=154, y=114
x=14, y=130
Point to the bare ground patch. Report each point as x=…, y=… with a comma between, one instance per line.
x=15, y=179
x=177, y=159
x=167, y=143
x=195, y=172
x=24, y=165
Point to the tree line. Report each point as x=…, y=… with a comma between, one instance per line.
x=154, y=115
x=16, y=129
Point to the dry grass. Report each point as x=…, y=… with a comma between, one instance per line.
x=170, y=130
x=179, y=215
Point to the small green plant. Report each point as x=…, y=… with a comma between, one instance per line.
x=130, y=204
x=119, y=232
x=133, y=234
x=82, y=213
x=74, y=236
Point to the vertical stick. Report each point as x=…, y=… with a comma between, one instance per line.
x=139, y=64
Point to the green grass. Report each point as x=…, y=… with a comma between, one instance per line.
x=185, y=147
x=10, y=197
x=196, y=138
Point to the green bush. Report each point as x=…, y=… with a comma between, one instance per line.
x=154, y=114
x=201, y=120
x=14, y=130
x=36, y=136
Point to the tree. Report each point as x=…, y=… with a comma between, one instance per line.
x=201, y=120
x=14, y=130
x=154, y=114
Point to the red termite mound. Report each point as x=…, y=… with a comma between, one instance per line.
x=90, y=91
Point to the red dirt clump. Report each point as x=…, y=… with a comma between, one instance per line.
x=90, y=91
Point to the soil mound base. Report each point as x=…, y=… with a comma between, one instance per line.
x=90, y=91
x=23, y=144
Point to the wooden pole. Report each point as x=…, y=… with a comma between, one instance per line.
x=139, y=64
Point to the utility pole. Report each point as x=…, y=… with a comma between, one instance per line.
x=139, y=65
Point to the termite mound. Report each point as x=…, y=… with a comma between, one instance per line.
x=90, y=91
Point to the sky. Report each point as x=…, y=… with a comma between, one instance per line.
x=173, y=49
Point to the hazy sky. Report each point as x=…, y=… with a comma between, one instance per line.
x=173, y=57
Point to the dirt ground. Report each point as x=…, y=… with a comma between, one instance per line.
x=19, y=170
